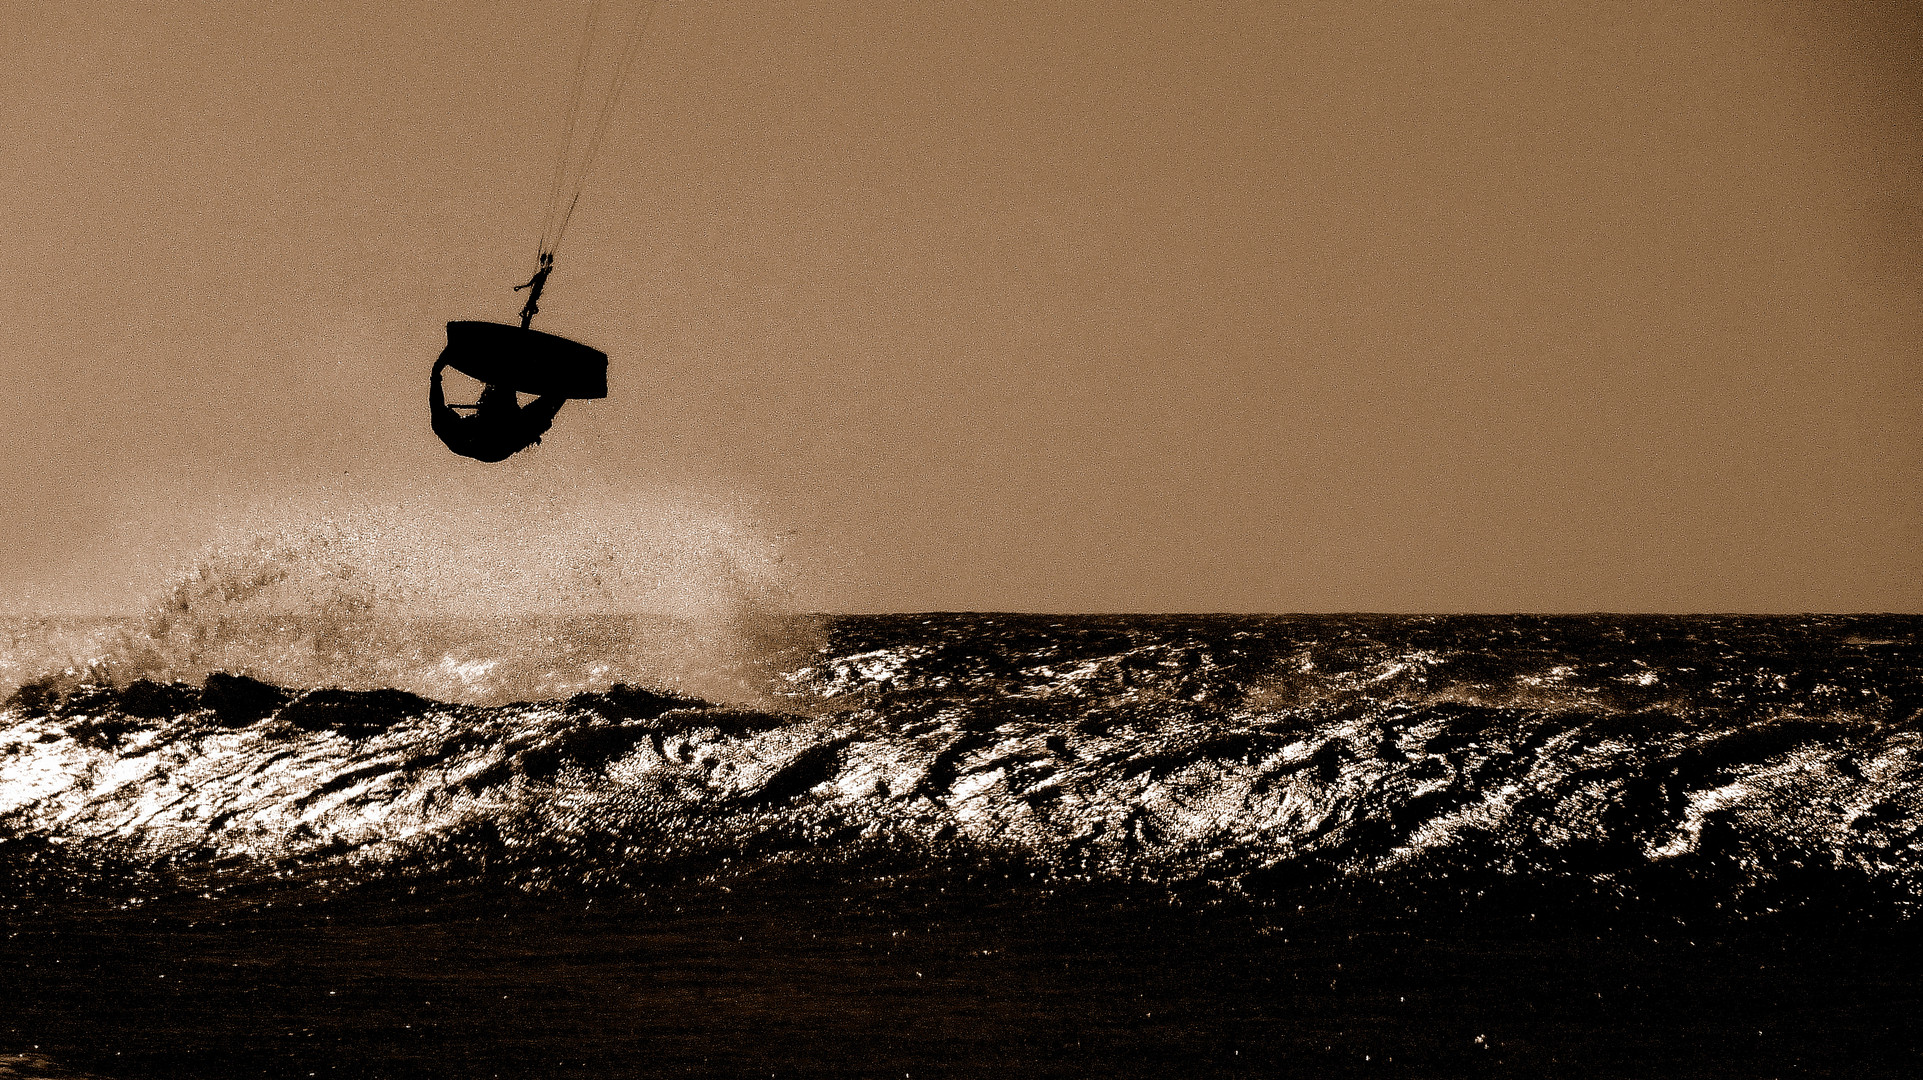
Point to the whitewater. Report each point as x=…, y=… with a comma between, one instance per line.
x=1735, y=760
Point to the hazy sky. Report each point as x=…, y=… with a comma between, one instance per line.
x=1043, y=306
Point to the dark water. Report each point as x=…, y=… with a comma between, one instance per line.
x=956, y=845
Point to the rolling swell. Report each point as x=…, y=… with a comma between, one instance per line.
x=1742, y=766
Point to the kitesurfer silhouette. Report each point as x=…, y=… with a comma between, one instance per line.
x=501, y=426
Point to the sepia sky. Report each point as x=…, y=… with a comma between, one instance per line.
x=1067, y=306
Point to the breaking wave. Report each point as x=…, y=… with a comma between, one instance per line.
x=1739, y=765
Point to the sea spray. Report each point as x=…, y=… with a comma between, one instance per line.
x=461, y=603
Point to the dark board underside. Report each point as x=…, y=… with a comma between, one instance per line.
x=526, y=360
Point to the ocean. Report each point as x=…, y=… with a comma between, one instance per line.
x=241, y=839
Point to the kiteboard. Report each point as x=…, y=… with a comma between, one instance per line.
x=526, y=360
